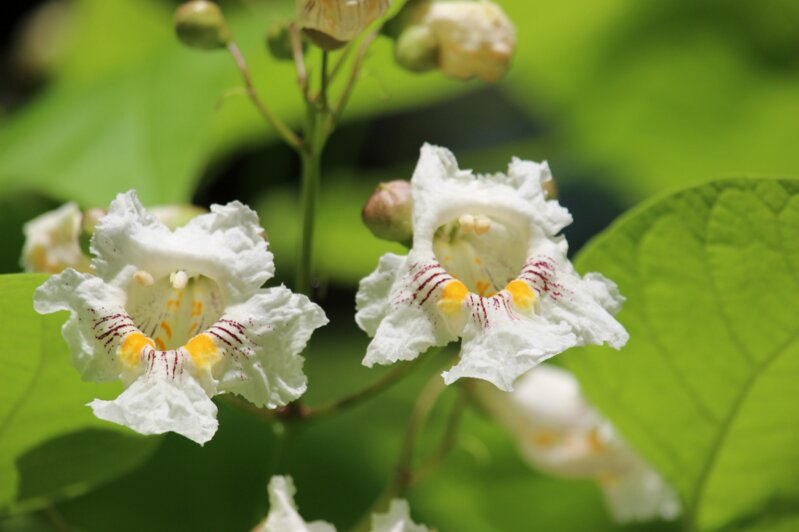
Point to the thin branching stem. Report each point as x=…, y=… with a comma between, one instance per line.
x=285, y=132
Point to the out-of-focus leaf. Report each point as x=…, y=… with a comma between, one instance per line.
x=704, y=387
x=148, y=120
x=42, y=398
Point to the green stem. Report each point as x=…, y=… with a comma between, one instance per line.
x=308, y=200
x=387, y=381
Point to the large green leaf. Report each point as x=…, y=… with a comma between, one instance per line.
x=45, y=453
x=705, y=386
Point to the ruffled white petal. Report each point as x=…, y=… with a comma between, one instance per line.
x=52, y=241
x=372, y=299
x=640, y=495
x=283, y=515
x=224, y=245
x=97, y=319
x=396, y=519
x=507, y=347
x=166, y=398
x=261, y=340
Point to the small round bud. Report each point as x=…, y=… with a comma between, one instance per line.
x=201, y=24
x=387, y=213
x=417, y=49
x=278, y=40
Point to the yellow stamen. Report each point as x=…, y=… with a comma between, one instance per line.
x=203, y=351
x=466, y=223
x=523, y=296
x=167, y=329
x=481, y=225
x=131, y=347
x=452, y=298
x=143, y=278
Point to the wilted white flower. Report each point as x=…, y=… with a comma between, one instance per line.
x=284, y=517
x=180, y=316
x=52, y=241
x=465, y=39
x=559, y=432
x=487, y=266
x=343, y=20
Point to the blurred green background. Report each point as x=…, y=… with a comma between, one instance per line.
x=625, y=99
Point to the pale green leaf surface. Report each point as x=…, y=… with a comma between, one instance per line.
x=43, y=397
x=704, y=387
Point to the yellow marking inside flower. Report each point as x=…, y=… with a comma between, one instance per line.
x=482, y=287
x=452, y=297
x=193, y=328
x=160, y=343
x=544, y=438
x=595, y=442
x=196, y=308
x=173, y=304
x=167, y=329
x=131, y=347
x=523, y=296
x=477, y=260
x=203, y=351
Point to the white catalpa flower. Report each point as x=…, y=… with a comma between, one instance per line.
x=487, y=266
x=560, y=433
x=52, y=241
x=343, y=20
x=180, y=316
x=284, y=517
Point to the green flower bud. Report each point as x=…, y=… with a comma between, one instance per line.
x=278, y=40
x=387, y=212
x=417, y=49
x=201, y=24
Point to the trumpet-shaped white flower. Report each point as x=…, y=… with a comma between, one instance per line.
x=559, y=432
x=52, y=241
x=284, y=517
x=487, y=266
x=343, y=20
x=180, y=316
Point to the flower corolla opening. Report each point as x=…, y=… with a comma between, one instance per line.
x=180, y=316
x=559, y=432
x=488, y=266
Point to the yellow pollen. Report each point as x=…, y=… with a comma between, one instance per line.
x=523, y=296
x=452, y=298
x=167, y=329
x=130, y=348
x=203, y=351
